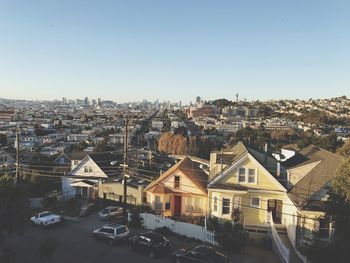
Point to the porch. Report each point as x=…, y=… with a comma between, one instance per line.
x=85, y=189
x=171, y=203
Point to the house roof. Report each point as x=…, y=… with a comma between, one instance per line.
x=270, y=163
x=304, y=191
x=306, y=156
x=190, y=169
x=160, y=189
x=233, y=187
x=103, y=160
x=83, y=183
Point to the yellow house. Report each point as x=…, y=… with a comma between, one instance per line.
x=180, y=191
x=247, y=187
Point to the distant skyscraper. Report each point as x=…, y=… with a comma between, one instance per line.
x=99, y=102
x=236, y=97
x=94, y=103
x=198, y=100
x=86, y=102
x=64, y=100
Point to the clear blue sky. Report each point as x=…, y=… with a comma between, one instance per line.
x=174, y=50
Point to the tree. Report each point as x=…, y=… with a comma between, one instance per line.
x=329, y=142
x=102, y=145
x=14, y=208
x=232, y=237
x=345, y=149
x=181, y=131
x=81, y=145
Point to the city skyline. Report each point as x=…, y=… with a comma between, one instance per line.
x=174, y=51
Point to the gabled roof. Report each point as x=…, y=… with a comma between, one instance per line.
x=308, y=155
x=5, y=152
x=232, y=187
x=318, y=177
x=265, y=159
x=190, y=169
x=160, y=189
x=103, y=161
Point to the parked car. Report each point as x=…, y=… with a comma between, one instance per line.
x=46, y=218
x=111, y=212
x=151, y=243
x=112, y=233
x=202, y=254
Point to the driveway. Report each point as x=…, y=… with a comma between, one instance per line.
x=77, y=245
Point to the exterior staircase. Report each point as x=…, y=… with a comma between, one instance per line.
x=282, y=233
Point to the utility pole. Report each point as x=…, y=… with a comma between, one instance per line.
x=17, y=155
x=125, y=165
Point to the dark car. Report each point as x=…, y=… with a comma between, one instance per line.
x=200, y=254
x=112, y=233
x=150, y=243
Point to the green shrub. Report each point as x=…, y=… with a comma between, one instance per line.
x=135, y=218
x=232, y=237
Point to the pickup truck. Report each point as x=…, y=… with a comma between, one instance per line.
x=46, y=218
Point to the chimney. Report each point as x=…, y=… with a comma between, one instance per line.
x=265, y=155
x=278, y=171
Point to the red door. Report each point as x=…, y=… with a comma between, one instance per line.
x=177, y=205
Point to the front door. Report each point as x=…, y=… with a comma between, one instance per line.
x=275, y=207
x=84, y=192
x=177, y=205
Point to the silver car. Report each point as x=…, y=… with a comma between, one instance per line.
x=111, y=212
x=112, y=233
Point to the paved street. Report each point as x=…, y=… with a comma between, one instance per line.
x=77, y=245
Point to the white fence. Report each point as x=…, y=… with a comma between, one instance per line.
x=151, y=221
x=282, y=249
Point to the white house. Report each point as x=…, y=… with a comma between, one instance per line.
x=85, y=174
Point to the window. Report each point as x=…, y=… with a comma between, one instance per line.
x=75, y=162
x=248, y=175
x=168, y=203
x=157, y=203
x=251, y=176
x=255, y=202
x=324, y=228
x=176, y=181
x=197, y=205
x=189, y=206
x=241, y=175
x=88, y=169
x=3, y=158
x=121, y=230
x=215, y=205
x=225, y=206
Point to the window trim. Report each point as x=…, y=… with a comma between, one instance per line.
x=158, y=206
x=251, y=201
x=222, y=206
x=246, y=175
x=168, y=202
x=215, y=204
x=238, y=176
x=89, y=169
x=189, y=207
x=177, y=183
